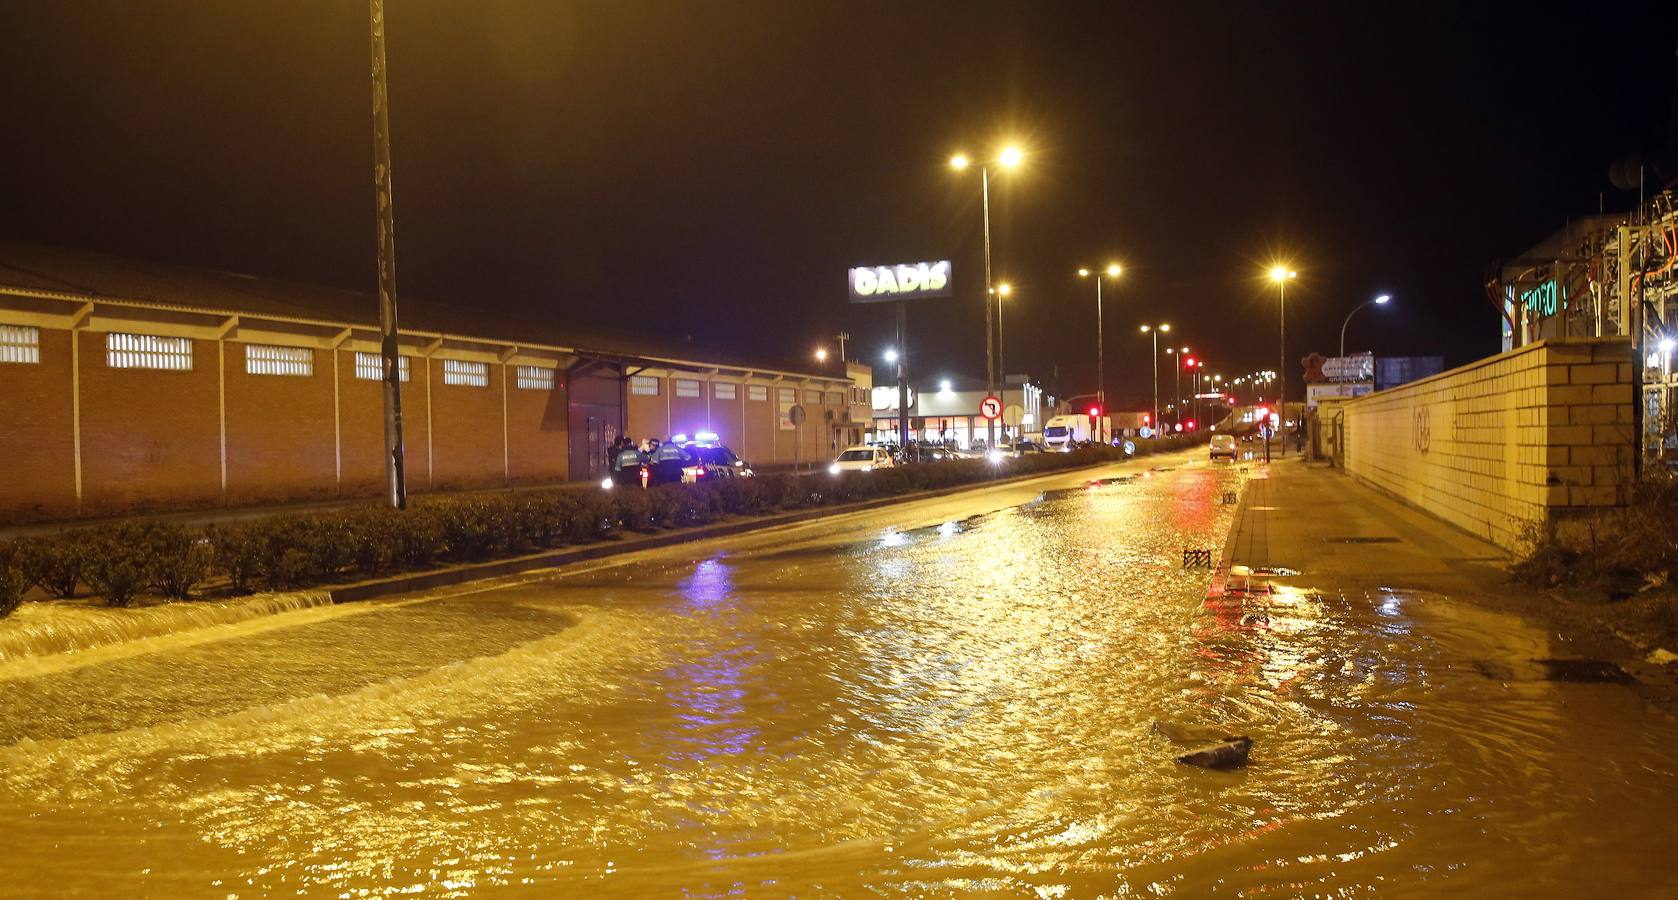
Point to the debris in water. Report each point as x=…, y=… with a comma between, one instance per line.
x=1661, y=656
x=1230, y=754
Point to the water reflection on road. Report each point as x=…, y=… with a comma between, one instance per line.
x=947, y=698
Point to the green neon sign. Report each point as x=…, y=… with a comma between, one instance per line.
x=1542, y=298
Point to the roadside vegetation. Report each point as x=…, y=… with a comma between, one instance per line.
x=1620, y=560
x=122, y=562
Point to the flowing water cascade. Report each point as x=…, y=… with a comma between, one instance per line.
x=69, y=626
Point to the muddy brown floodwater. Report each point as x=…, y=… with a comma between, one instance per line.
x=948, y=697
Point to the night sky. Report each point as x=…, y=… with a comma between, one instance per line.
x=713, y=168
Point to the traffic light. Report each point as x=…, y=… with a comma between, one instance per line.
x=1191, y=424
x=1147, y=419
x=1188, y=362
x=1095, y=411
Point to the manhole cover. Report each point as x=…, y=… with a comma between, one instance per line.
x=1361, y=540
x=1584, y=671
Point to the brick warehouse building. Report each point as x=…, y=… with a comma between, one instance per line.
x=130, y=386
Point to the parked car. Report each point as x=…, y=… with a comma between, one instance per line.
x=715, y=459
x=1013, y=450
x=862, y=458
x=1223, y=445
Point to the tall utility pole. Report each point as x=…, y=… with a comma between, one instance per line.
x=396, y=480
x=990, y=298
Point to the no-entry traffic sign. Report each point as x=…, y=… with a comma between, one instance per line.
x=990, y=408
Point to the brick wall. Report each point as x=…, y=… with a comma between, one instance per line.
x=150, y=438
x=466, y=425
x=537, y=424
x=1495, y=446
x=280, y=442
x=153, y=439
x=37, y=449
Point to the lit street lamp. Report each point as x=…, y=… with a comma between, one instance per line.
x=1009, y=158
x=1155, y=330
x=1378, y=301
x=1177, y=381
x=1112, y=271
x=1282, y=275
x=821, y=354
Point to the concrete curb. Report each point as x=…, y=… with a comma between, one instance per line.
x=547, y=559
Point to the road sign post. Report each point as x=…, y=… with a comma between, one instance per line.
x=796, y=416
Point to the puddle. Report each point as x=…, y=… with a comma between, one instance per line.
x=1584, y=671
x=1570, y=671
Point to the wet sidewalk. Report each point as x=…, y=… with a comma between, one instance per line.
x=1322, y=524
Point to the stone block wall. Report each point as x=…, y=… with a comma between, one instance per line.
x=1511, y=440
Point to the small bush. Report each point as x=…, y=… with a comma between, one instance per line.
x=58, y=564
x=12, y=584
x=177, y=559
x=117, y=568
x=236, y=551
x=1610, y=553
x=372, y=543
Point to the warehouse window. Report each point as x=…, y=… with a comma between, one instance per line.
x=266, y=359
x=148, y=351
x=643, y=386
x=725, y=390
x=687, y=388
x=812, y=398
x=787, y=398
x=20, y=344
x=758, y=392
x=835, y=399
x=371, y=367
x=535, y=378
x=465, y=373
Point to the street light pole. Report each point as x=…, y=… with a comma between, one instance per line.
x=1155, y=330
x=1008, y=159
x=395, y=479
x=990, y=346
x=1381, y=301
x=1156, y=378
x=1113, y=270
x=1282, y=275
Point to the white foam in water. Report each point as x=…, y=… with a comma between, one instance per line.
x=59, y=626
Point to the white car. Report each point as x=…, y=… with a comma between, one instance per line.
x=1223, y=445
x=861, y=459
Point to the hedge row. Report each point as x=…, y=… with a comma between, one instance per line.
x=120, y=562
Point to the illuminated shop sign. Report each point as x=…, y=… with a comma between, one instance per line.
x=877, y=284
x=1541, y=299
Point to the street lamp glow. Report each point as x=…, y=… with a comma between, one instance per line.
x=944, y=386
x=891, y=355
x=1281, y=273
x=1010, y=157
x=821, y=354
x=1004, y=289
x=1165, y=328
x=959, y=161
x=1083, y=273
x=1383, y=298
x=1113, y=270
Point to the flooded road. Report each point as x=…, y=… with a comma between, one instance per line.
x=950, y=697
